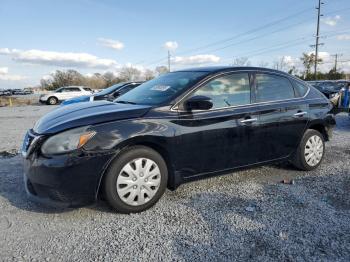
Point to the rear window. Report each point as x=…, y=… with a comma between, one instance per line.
x=272, y=88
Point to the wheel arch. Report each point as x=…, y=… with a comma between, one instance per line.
x=52, y=96
x=320, y=127
x=147, y=143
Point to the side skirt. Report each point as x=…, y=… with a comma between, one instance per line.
x=182, y=179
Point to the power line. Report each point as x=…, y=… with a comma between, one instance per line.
x=237, y=35
x=285, y=44
x=247, y=33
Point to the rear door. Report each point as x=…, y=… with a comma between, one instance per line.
x=223, y=137
x=283, y=115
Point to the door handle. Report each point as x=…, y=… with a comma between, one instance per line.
x=299, y=114
x=249, y=120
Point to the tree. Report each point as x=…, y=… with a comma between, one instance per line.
x=72, y=77
x=281, y=64
x=149, y=74
x=161, y=70
x=263, y=64
x=111, y=79
x=129, y=73
x=335, y=75
x=308, y=61
x=241, y=61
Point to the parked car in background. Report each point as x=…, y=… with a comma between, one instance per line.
x=22, y=91
x=179, y=127
x=108, y=94
x=327, y=87
x=64, y=93
x=5, y=93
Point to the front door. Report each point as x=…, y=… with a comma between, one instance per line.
x=223, y=137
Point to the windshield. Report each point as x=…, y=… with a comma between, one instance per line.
x=161, y=89
x=110, y=89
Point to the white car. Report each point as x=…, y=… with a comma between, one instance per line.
x=64, y=93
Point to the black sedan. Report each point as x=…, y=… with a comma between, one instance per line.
x=179, y=127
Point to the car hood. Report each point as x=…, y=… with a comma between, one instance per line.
x=83, y=114
x=76, y=100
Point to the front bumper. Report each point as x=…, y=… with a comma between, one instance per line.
x=70, y=180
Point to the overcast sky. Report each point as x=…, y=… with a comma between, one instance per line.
x=40, y=36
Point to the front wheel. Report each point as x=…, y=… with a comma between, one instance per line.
x=310, y=152
x=136, y=180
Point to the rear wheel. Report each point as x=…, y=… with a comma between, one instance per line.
x=310, y=152
x=52, y=100
x=136, y=180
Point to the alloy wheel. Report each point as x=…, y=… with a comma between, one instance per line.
x=313, y=150
x=138, y=181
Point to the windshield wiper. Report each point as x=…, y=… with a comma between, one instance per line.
x=125, y=102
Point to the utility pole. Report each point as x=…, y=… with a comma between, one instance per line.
x=336, y=61
x=169, y=60
x=317, y=36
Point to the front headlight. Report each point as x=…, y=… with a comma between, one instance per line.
x=67, y=141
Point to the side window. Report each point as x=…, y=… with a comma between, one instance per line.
x=273, y=87
x=229, y=90
x=300, y=89
x=87, y=89
x=74, y=89
x=126, y=89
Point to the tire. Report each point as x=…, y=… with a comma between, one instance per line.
x=132, y=191
x=312, y=146
x=52, y=100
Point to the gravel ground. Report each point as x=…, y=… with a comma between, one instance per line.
x=15, y=121
x=247, y=215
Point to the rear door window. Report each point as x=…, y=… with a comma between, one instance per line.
x=271, y=87
x=300, y=89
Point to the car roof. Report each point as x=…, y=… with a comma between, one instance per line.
x=218, y=69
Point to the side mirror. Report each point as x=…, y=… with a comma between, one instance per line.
x=198, y=103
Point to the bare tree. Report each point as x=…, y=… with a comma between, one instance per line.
x=161, y=70
x=263, y=64
x=128, y=73
x=149, y=74
x=241, y=61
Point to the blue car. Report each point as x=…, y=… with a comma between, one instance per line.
x=108, y=94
